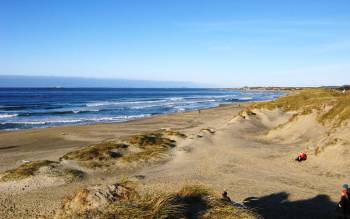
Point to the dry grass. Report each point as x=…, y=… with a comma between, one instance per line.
x=150, y=140
x=304, y=99
x=174, y=133
x=339, y=113
x=246, y=112
x=154, y=146
x=102, y=151
x=189, y=202
x=137, y=148
x=25, y=170
x=331, y=106
x=146, y=155
x=73, y=174
x=31, y=168
x=209, y=130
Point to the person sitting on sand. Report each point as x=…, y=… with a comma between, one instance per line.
x=344, y=203
x=225, y=197
x=301, y=157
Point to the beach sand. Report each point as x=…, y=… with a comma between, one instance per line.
x=223, y=150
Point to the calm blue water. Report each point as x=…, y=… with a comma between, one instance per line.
x=25, y=108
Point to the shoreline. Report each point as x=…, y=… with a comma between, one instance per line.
x=130, y=120
x=65, y=138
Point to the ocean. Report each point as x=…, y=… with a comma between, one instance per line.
x=27, y=108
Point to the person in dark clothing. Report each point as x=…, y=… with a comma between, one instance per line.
x=225, y=197
x=344, y=203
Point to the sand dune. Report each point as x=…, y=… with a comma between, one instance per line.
x=247, y=150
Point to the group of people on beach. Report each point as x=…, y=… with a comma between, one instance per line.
x=344, y=203
x=343, y=207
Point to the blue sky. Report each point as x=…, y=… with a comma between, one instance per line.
x=227, y=43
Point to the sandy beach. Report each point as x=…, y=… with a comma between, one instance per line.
x=248, y=154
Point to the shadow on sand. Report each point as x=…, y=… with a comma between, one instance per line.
x=277, y=206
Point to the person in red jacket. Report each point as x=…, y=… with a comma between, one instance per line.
x=301, y=157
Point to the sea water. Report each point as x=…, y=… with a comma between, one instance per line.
x=25, y=108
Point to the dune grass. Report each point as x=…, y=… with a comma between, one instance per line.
x=150, y=140
x=339, y=112
x=25, y=170
x=332, y=106
x=73, y=174
x=153, y=146
x=102, y=151
x=146, y=155
x=31, y=168
x=247, y=112
x=189, y=202
x=174, y=133
x=136, y=148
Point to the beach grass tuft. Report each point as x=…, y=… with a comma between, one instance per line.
x=153, y=146
x=102, y=151
x=143, y=147
x=25, y=170
x=189, y=202
x=150, y=140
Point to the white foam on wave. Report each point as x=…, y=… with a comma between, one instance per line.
x=79, y=120
x=116, y=103
x=180, y=102
x=245, y=98
x=144, y=106
x=4, y=116
x=167, y=101
x=180, y=109
x=97, y=104
x=175, y=98
x=26, y=123
x=123, y=117
x=85, y=110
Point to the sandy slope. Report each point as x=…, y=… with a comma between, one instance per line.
x=247, y=157
x=240, y=158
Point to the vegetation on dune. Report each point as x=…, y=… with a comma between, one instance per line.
x=247, y=112
x=304, y=99
x=136, y=148
x=31, y=168
x=102, y=151
x=146, y=147
x=174, y=133
x=150, y=140
x=152, y=145
x=339, y=112
x=210, y=130
x=332, y=106
x=189, y=202
x=146, y=155
x=73, y=174
x=25, y=170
